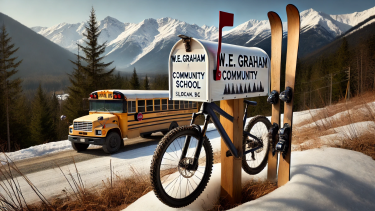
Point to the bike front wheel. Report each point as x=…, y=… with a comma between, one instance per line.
x=255, y=161
x=173, y=183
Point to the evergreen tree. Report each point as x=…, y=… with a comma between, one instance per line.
x=146, y=85
x=134, y=81
x=11, y=88
x=97, y=76
x=161, y=83
x=78, y=90
x=342, y=64
x=117, y=81
x=56, y=113
x=125, y=83
x=41, y=126
x=19, y=123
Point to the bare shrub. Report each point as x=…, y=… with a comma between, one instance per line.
x=252, y=190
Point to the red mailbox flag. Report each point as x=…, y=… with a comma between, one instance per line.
x=225, y=19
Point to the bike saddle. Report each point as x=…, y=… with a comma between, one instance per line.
x=250, y=102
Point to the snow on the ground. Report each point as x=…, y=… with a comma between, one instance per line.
x=51, y=182
x=346, y=132
x=39, y=150
x=321, y=179
x=357, y=110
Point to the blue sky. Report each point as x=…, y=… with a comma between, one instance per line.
x=52, y=12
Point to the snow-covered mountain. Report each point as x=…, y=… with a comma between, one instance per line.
x=355, y=18
x=146, y=45
x=127, y=42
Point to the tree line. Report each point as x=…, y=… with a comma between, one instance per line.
x=31, y=120
x=347, y=71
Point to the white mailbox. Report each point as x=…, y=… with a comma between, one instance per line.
x=243, y=71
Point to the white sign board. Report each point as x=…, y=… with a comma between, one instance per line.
x=245, y=72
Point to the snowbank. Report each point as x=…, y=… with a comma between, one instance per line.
x=39, y=150
x=321, y=179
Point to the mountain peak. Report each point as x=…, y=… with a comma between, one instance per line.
x=109, y=18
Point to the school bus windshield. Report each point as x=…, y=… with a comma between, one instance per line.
x=117, y=106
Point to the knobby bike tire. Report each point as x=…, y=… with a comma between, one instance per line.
x=156, y=182
x=245, y=165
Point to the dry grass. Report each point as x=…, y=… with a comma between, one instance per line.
x=328, y=121
x=252, y=190
x=364, y=143
x=116, y=194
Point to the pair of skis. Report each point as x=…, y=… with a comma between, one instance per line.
x=281, y=137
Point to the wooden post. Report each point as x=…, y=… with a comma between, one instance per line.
x=231, y=166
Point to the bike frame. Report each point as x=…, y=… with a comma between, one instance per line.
x=208, y=110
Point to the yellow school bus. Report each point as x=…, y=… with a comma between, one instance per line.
x=118, y=114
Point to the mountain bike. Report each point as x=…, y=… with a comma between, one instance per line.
x=182, y=163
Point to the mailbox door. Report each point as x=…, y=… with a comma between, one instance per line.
x=188, y=75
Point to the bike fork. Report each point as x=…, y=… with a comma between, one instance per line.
x=200, y=141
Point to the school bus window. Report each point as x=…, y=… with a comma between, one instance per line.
x=150, y=106
x=131, y=107
x=181, y=104
x=186, y=104
x=157, y=104
x=107, y=105
x=190, y=104
x=164, y=104
x=170, y=104
x=195, y=104
x=141, y=106
x=176, y=104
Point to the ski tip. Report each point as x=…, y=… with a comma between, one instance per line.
x=273, y=15
x=274, y=19
x=293, y=16
x=291, y=8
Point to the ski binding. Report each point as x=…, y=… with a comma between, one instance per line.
x=283, y=144
x=286, y=95
x=273, y=98
x=272, y=135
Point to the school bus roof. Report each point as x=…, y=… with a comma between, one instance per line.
x=141, y=94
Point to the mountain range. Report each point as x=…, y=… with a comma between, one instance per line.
x=46, y=51
x=42, y=60
x=146, y=45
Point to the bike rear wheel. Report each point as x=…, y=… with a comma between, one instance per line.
x=254, y=162
x=173, y=184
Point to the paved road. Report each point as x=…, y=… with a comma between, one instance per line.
x=51, y=161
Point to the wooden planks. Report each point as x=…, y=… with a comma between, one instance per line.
x=290, y=72
x=276, y=44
